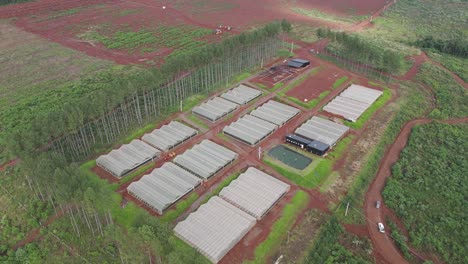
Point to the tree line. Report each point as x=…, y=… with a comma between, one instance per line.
x=457, y=47
x=9, y=2
x=354, y=48
x=117, y=105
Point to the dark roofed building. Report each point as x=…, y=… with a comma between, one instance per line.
x=298, y=63
x=317, y=147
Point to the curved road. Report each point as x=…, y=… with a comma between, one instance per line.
x=383, y=243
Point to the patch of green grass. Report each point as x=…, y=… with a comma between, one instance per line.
x=261, y=85
x=310, y=177
x=223, y=184
x=326, y=16
x=140, y=132
x=383, y=99
x=197, y=121
x=455, y=64
x=183, y=39
x=280, y=228
x=339, y=82
x=192, y=101
x=285, y=53
x=277, y=86
x=241, y=77
x=328, y=182
x=181, y=206
x=222, y=136
x=137, y=172
x=339, y=148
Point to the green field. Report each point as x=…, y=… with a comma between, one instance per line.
x=181, y=38
x=427, y=190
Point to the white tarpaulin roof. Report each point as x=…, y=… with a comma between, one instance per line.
x=215, y=228
x=322, y=130
x=163, y=186
x=352, y=102
x=276, y=113
x=128, y=157
x=250, y=129
x=169, y=136
x=255, y=192
x=241, y=94
x=205, y=159
x=215, y=108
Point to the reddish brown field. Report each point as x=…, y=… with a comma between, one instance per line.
x=65, y=22
x=315, y=85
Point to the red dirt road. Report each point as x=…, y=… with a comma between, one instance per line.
x=383, y=243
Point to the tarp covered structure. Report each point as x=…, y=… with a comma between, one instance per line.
x=169, y=136
x=352, y=102
x=250, y=129
x=322, y=130
x=205, y=159
x=215, y=228
x=215, y=108
x=255, y=192
x=163, y=186
x=276, y=113
x=127, y=158
x=241, y=94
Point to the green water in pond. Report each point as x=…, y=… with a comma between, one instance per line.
x=290, y=157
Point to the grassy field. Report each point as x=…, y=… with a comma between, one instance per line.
x=429, y=206
x=181, y=38
x=451, y=97
x=30, y=65
x=456, y=65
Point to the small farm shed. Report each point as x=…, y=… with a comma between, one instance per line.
x=298, y=63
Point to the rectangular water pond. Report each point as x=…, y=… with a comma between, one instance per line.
x=290, y=157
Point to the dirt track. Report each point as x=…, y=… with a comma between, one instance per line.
x=383, y=243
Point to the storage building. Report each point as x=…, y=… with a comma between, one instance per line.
x=215, y=108
x=317, y=147
x=275, y=113
x=353, y=102
x=255, y=192
x=128, y=157
x=205, y=159
x=163, y=186
x=169, y=136
x=241, y=95
x=322, y=130
x=215, y=228
x=250, y=129
x=298, y=63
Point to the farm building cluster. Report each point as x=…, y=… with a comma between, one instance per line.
x=219, y=224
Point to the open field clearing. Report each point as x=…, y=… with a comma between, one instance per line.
x=29, y=65
x=143, y=32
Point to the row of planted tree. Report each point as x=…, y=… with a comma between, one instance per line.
x=103, y=116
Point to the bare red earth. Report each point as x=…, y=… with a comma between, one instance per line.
x=313, y=87
x=40, y=17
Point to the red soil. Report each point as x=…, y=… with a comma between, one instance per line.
x=10, y=163
x=37, y=17
x=358, y=230
x=315, y=85
x=34, y=234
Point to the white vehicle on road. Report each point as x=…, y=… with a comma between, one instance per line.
x=381, y=228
